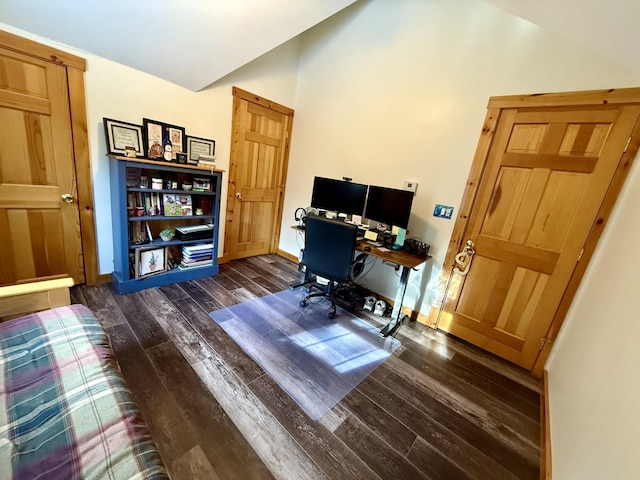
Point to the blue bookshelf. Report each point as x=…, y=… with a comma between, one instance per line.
x=131, y=269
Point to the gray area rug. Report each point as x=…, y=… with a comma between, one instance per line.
x=316, y=360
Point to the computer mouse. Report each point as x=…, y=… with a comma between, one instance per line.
x=367, y=249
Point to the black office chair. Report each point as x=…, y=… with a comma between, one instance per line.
x=328, y=253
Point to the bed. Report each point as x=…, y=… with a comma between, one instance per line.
x=65, y=410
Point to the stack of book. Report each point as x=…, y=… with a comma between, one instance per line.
x=207, y=160
x=194, y=256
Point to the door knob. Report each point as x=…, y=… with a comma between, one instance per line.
x=463, y=259
x=239, y=195
x=67, y=197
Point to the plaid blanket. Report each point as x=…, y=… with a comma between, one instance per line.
x=65, y=411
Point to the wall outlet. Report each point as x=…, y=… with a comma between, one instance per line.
x=442, y=211
x=410, y=185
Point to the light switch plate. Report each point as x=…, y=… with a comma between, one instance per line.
x=443, y=211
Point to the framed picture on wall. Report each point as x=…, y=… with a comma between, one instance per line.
x=153, y=138
x=176, y=136
x=122, y=135
x=197, y=146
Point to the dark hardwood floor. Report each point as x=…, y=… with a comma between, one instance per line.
x=437, y=409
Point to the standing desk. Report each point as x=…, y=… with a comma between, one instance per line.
x=406, y=261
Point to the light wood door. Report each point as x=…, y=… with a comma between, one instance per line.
x=544, y=182
x=257, y=175
x=39, y=231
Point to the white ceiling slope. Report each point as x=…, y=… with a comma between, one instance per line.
x=609, y=28
x=191, y=43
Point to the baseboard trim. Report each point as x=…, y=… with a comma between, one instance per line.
x=545, y=430
x=287, y=255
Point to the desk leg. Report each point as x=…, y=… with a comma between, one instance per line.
x=396, y=315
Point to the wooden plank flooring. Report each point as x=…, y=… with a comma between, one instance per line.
x=437, y=409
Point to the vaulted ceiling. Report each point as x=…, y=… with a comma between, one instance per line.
x=193, y=43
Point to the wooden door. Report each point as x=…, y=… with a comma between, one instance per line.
x=39, y=231
x=543, y=185
x=257, y=175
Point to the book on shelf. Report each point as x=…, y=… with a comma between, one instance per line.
x=182, y=266
x=139, y=232
x=194, y=232
x=144, y=203
x=197, y=260
x=198, y=247
x=208, y=160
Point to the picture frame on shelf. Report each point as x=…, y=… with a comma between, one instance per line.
x=197, y=146
x=150, y=261
x=153, y=139
x=176, y=135
x=120, y=135
x=201, y=184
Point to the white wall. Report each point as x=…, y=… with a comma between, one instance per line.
x=122, y=93
x=391, y=91
x=593, y=370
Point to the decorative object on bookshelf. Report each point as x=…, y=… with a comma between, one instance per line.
x=172, y=205
x=150, y=261
x=197, y=146
x=201, y=184
x=166, y=235
x=187, y=185
x=181, y=157
x=120, y=135
x=187, y=208
x=133, y=177
x=167, y=147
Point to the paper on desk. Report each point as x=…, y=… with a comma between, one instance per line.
x=384, y=249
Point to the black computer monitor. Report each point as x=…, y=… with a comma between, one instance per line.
x=389, y=206
x=338, y=196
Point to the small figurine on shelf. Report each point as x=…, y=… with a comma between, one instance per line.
x=155, y=151
x=168, y=155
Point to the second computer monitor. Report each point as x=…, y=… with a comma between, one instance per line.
x=338, y=196
x=389, y=206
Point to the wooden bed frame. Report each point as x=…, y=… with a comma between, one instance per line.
x=18, y=300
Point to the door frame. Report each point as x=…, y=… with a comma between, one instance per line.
x=238, y=95
x=75, y=66
x=496, y=105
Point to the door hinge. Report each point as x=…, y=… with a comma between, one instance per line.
x=580, y=256
x=627, y=145
x=543, y=342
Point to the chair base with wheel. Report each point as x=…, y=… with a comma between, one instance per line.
x=328, y=294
